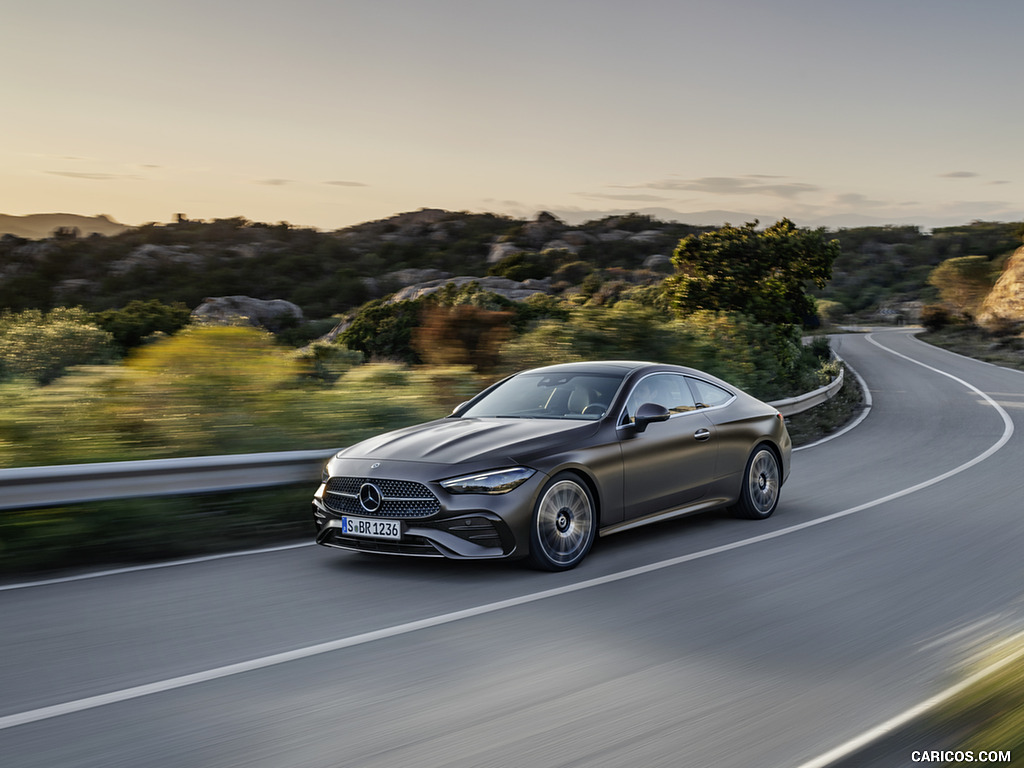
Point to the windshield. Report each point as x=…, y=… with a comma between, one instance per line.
x=584, y=396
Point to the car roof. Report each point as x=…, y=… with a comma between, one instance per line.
x=615, y=367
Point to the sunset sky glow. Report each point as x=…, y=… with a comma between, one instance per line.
x=328, y=114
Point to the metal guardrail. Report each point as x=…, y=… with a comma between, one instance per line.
x=794, y=405
x=28, y=487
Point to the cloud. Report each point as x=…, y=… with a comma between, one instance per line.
x=731, y=185
x=958, y=175
x=635, y=198
x=857, y=200
x=346, y=183
x=273, y=182
x=93, y=176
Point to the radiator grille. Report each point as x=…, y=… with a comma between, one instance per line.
x=401, y=498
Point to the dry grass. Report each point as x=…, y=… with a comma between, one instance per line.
x=1003, y=349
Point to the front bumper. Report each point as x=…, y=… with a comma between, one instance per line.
x=476, y=536
x=433, y=521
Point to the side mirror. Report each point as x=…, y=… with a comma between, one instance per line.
x=648, y=413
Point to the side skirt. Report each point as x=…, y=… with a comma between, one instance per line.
x=657, y=517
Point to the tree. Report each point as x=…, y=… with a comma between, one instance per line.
x=963, y=282
x=131, y=324
x=761, y=274
x=384, y=331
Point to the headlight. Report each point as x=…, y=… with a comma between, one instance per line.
x=325, y=475
x=494, y=482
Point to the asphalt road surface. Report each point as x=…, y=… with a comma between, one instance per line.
x=893, y=558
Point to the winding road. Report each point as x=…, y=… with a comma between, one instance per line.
x=894, y=557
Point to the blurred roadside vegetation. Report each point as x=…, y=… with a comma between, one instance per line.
x=987, y=715
x=229, y=389
x=216, y=390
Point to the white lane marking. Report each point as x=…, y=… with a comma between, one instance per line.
x=126, y=694
x=859, y=742
x=153, y=566
x=879, y=731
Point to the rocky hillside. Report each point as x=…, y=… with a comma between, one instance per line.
x=324, y=273
x=332, y=273
x=38, y=226
x=1003, y=308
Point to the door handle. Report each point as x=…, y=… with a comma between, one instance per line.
x=702, y=434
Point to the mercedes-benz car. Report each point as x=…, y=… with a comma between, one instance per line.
x=541, y=463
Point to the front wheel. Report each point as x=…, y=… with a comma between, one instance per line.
x=564, y=524
x=762, y=479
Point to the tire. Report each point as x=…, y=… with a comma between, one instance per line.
x=564, y=524
x=762, y=480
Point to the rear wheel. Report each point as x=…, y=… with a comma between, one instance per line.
x=564, y=524
x=761, y=483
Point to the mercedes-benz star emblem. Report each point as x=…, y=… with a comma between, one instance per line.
x=370, y=497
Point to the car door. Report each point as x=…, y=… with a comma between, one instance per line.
x=670, y=463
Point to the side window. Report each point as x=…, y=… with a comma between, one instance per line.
x=666, y=389
x=707, y=394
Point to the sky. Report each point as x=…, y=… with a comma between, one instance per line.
x=331, y=113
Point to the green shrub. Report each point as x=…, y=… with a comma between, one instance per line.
x=138, y=320
x=43, y=346
x=327, y=361
x=624, y=331
x=384, y=331
x=524, y=265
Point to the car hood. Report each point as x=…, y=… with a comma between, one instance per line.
x=456, y=441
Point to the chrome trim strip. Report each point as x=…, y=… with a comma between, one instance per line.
x=705, y=409
x=657, y=517
x=389, y=554
x=384, y=498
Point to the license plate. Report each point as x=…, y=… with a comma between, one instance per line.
x=371, y=529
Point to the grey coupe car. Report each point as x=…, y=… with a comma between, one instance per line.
x=541, y=463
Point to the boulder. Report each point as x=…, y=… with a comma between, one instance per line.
x=658, y=262
x=503, y=286
x=151, y=255
x=647, y=236
x=500, y=250
x=560, y=245
x=411, y=276
x=272, y=314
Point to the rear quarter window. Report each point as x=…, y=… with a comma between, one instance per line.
x=707, y=394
